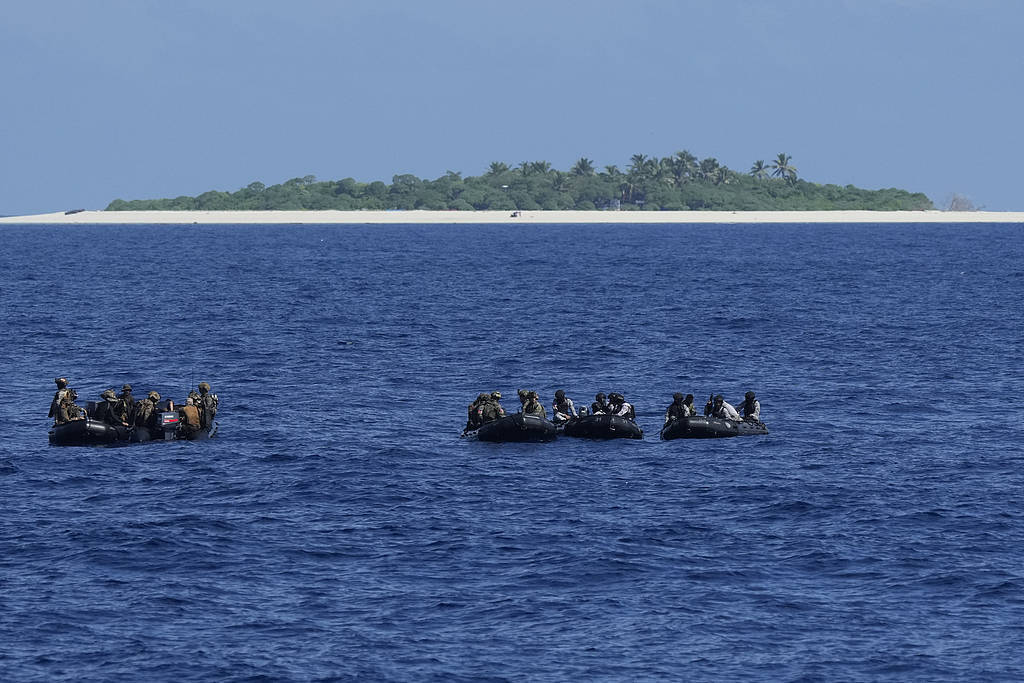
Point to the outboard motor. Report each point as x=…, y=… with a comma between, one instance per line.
x=167, y=425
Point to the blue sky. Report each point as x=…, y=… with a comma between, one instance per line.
x=138, y=99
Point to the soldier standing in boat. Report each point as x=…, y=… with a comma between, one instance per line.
x=207, y=405
x=58, y=396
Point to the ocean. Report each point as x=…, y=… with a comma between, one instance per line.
x=338, y=529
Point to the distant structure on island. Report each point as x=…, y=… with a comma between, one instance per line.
x=679, y=182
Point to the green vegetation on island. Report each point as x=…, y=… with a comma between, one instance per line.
x=680, y=182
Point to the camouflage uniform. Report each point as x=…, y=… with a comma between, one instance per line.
x=67, y=411
x=111, y=410
x=189, y=417
x=129, y=403
x=533, y=405
x=207, y=405
x=58, y=397
x=492, y=409
x=144, y=410
x=474, y=414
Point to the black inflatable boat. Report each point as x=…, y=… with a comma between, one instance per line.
x=602, y=427
x=710, y=428
x=88, y=432
x=518, y=427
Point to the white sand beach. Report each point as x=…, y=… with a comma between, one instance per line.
x=506, y=217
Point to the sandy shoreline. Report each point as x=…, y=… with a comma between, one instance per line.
x=506, y=217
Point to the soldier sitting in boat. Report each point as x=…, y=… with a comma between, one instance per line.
x=599, y=406
x=680, y=407
x=129, y=402
x=111, y=410
x=533, y=405
x=492, y=409
x=750, y=407
x=67, y=409
x=562, y=408
x=617, y=405
x=474, y=414
x=718, y=407
x=189, y=415
x=145, y=410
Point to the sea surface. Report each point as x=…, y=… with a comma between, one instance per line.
x=339, y=529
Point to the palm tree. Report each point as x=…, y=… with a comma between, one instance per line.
x=781, y=168
x=684, y=166
x=612, y=171
x=583, y=167
x=759, y=170
x=707, y=168
x=497, y=168
x=540, y=167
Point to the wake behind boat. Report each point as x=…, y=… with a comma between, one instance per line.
x=710, y=428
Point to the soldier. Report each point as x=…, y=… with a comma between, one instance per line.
x=562, y=408
x=680, y=407
x=617, y=405
x=144, y=410
x=207, y=405
x=533, y=405
x=492, y=409
x=129, y=402
x=474, y=414
x=62, y=389
x=751, y=407
x=189, y=417
x=67, y=409
x=599, y=406
x=111, y=410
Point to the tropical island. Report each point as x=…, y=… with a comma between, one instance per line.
x=679, y=182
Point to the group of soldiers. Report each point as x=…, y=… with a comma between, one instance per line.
x=123, y=410
x=717, y=406
x=487, y=407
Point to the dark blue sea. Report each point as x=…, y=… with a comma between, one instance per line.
x=339, y=529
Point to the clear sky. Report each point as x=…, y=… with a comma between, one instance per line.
x=137, y=99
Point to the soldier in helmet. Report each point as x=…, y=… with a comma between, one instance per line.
x=207, y=405
x=129, y=402
x=144, y=410
x=492, y=409
x=600, y=405
x=474, y=414
x=67, y=409
x=111, y=410
x=189, y=414
x=680, y=407
x=533, y=405
x=750, y=407
x=58, y=396
x=617, y=405
x=562, y=408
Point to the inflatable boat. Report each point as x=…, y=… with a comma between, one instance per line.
x=518, y=427
x=88, y=432
x=710, y=428
x=602, y=427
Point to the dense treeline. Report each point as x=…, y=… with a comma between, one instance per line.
x=677, y=183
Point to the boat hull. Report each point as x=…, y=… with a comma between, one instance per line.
x=518, y=428
x=602, y=427
x=710, y=428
